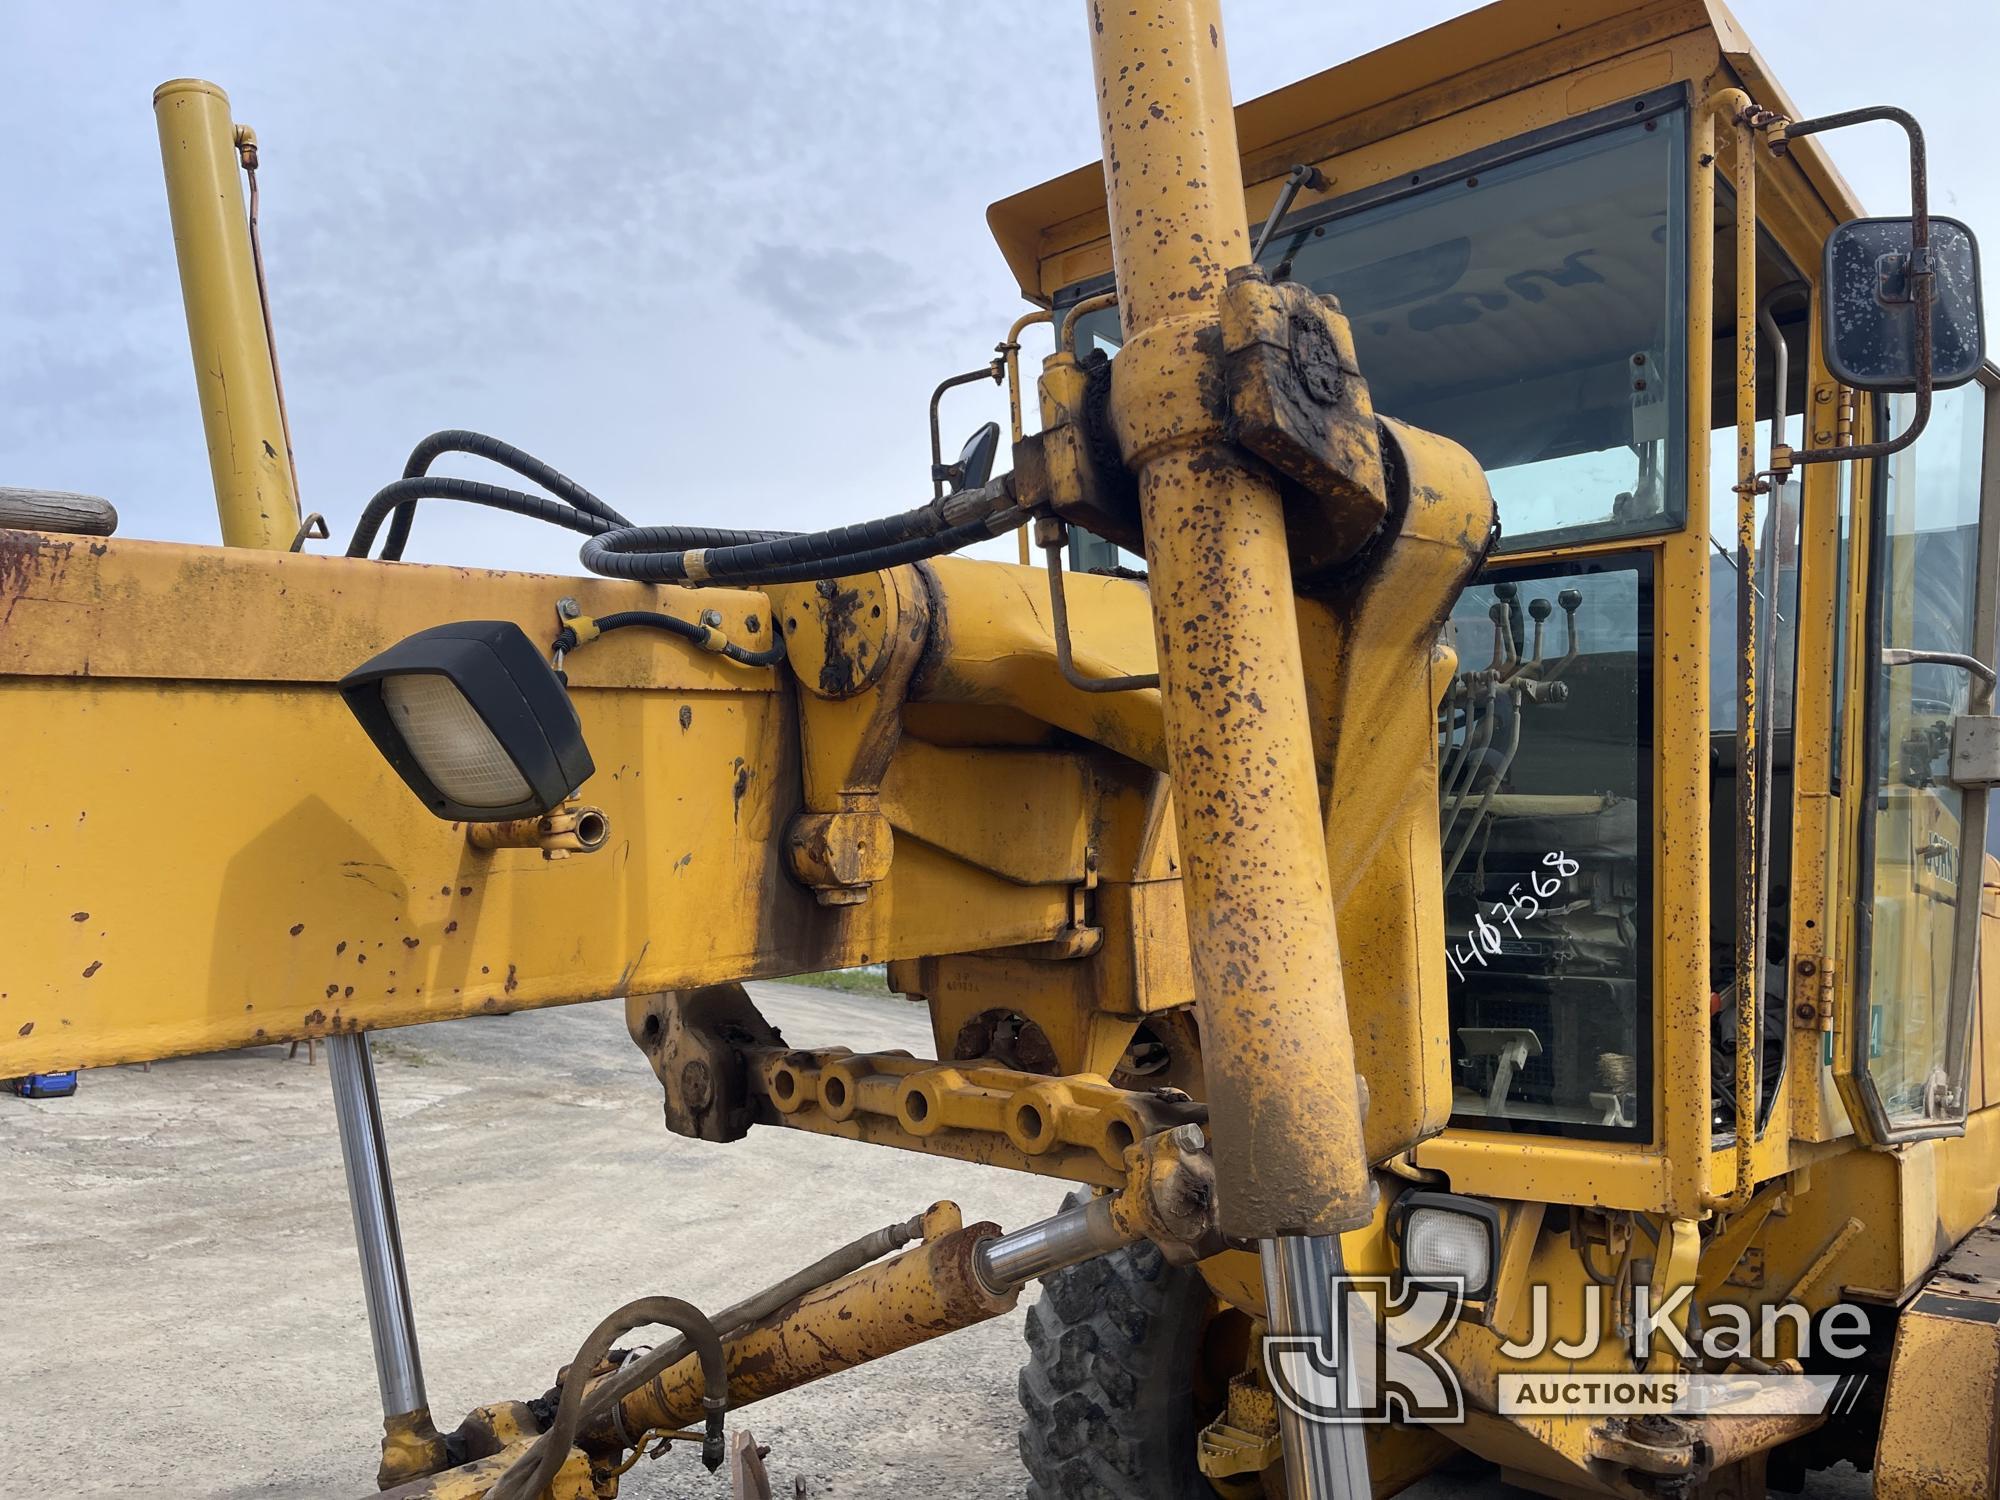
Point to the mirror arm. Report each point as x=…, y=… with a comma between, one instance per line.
x=995, y=371
x=1921, y=272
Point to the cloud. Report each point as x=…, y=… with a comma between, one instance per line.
x=629, y=234
x=836, y=296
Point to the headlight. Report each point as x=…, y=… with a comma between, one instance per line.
x=1448, y=1238
x=472, y=718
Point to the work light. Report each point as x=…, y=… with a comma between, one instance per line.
x=474, y=720
x=1448, y=1238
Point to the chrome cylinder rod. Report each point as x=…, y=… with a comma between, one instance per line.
x=1075, y=1235
x=364, y=1150
x=1324, y=1460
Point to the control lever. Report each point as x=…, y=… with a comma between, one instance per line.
x=1571, y=601
x=1502, y=661
x=1539, y=611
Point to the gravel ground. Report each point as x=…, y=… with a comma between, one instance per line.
x=182, y=1311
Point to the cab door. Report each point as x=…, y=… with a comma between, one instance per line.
x=1926, y=704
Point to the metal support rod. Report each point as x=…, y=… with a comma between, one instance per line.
x=1010, y=351
x=1073, y=320
x=1012, y=1260
x=1321, y=1458
x=257, y=503
x=1059, y=622
x=249, y=455
x=1277, y=1053
x=246, y=151
x=399, y=1372
x=240, y=409
x=1301, y=176
x=1751, y=643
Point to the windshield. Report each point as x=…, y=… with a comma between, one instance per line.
x=1531, y=311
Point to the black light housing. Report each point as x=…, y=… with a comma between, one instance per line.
x=474, y=720
x=1467, y=1251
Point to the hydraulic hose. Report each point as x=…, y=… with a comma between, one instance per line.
x=479, y=445
x=530, y=1474
x=399, y=495
x=680, y=554
x=604, y=1399
x=687, y=630
x=685, y=554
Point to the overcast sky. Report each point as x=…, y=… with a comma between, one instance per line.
x=709, y=257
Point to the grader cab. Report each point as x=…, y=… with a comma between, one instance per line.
x=1468, y=848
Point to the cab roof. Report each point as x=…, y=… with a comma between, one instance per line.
x=1049, y=233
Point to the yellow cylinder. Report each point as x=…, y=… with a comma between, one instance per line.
x=232, y=355
x=879, y=1310
x=1276, y=1049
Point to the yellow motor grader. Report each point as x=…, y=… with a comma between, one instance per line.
x=1468, y=848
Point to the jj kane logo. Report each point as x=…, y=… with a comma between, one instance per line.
x=1385, y=1358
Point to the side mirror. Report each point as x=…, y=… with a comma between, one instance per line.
x=1871, y=311
x=975, y=459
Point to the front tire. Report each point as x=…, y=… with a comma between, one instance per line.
x=1108, y=1395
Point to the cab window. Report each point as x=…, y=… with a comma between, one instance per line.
x=1909, y=1042
x=1528, y=304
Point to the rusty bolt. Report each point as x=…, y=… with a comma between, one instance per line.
x=697, y=1088
x=1806, y=1011
x=1656, y=1431
x=712, y=618
x=1808, y=968
x=826, y=587
x=567, y=608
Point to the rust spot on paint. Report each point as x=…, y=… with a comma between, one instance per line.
x=450, y=927
x=687, y=716
x=79, y=916
x=841, y=669
x=95, y=965
x=410, y=942
x=25, y=555
x=465, y=890
x=297, y=928
x=26, y=1027
x=315, y=1017
x=512, y=983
